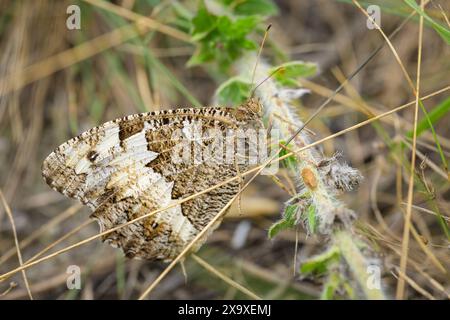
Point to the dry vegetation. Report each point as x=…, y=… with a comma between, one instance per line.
x=56, y=83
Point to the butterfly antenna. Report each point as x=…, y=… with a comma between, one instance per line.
x=279, y=69
x=266, y=33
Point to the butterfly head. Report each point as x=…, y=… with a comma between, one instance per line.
x=250, y=110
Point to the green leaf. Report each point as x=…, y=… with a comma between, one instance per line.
x=434, y=115
x=330, y=287
x=200, y=56
x=234, y=91
x=312, y=218
x=319, y=264
x=348, y=289
x=203, y=23
x=291, y=161
x=289, y=72
x=256, y=7
x=221, y=38
x=243, y=26
x=290, y=213
x=224, y=25
x=287, y=222
x=336, y=282
x=248, y=44
x=277, y=227
x=443, y=31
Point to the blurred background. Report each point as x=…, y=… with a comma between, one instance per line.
x=56, y=82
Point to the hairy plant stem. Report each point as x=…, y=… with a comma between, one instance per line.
x=357, y=263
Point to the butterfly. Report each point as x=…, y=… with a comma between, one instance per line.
x=126, y=168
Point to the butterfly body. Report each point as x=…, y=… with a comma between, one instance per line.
x=130, y=167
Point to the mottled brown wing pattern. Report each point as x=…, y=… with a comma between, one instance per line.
x=123, y=169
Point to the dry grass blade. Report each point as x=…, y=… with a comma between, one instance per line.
x=224, y=277
x=12, y=285
x=363, y=123
x=426, y=249
x=427, y=161
x=419, y=268
x=146, y=21
x=16, y=241
x=69, y=57
x=373, y=201
x=53, y=222
x=444, y=15
x=355, y=105
x=84, y=51
x=425, y=210
x=406, y=229
x=414, y=285
x=59, y=240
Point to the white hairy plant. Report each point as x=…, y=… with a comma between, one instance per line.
x=319, y=182
x=319, y=179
